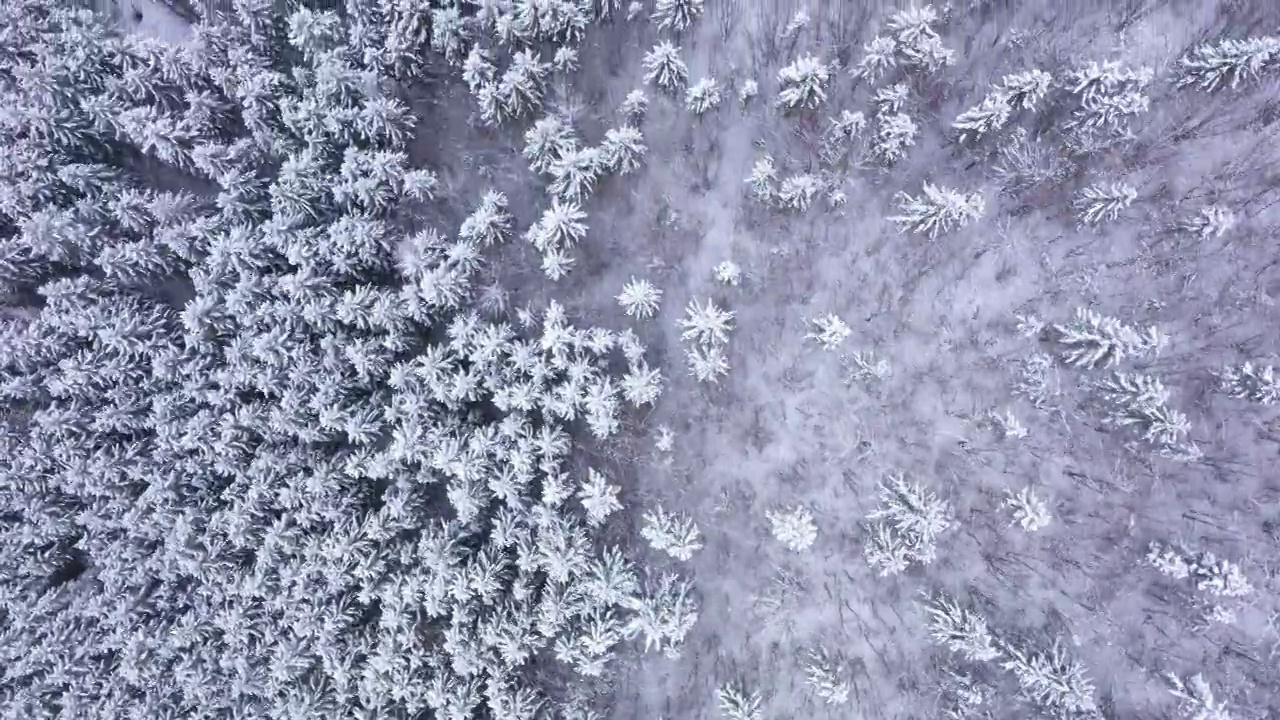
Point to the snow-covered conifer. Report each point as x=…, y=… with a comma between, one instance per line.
x=705, y=324
x=1141, y=402
x=987, y=117
x=522, y=85
x=827, y=678
x=762, y=178
x=1195, y=697
x=1227, y=63
x=1092, y=340
x=1008, y=425
x=1025, y=90
x=907, y=525
x=797, y=192
x=961, y=630
x=548, y=139
x=676, y=14
x=848, y=125
x=749, y=90
x=793, y=528
x=738, y=703
x=803, y=83
x=1052, y=680
x=829, y=331
x=728, y=273
x=707, y=363
x=917, y=42
x=663, y=66
x=1212, y=221
x=640, y=299
x=565, y=60
x=936, y=210
x=490, y=223
x=664, y=614
x=574, y=173
x=642, y=384
x=477, y=69
x=634, y=105
x=1247, y=381
x=1104, y=202
x=599, y=498
x=895, y=132
x=561, y=226
x=879, y=57
x=1029, y=510
x=892, y=99
x=622, y=149
x=799, y=21
x=665, y=440
x=702, y=96
x=673, y=534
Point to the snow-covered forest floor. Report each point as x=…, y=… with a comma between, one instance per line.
x=1069, y=521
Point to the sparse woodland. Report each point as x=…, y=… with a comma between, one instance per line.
x=585, y=359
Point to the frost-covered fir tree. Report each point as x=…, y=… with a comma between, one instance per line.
x=1093, y=340
x=905, y=527
x=706, y=324
x=489, y=223
x=702, y=96
x=961, y=630
x=707, y=363
x=640, y=299
x=763, y=177
x=728, y=272
x=1253, y=382
x=623, y=149
x=642, y=384
x=1029, y=510
x=1141, y=403
x=937, y=209
x=797, y=192
x=895, y=133
x=1195, y=698
x=599, y=498
x=574, y=173
x=1025, y=90
x=829, y=331
x=676, y=14
x=663, y=67
x=918, y=43
x=673, y=534
x=1226, y=64
x=878, y=57
x=634, y=105
x=803, y=83
x=793, y=528
x=827, y=678
x=749, y=90
x=738, y=703
x=1104, y=202
x=548, y=139
x=985, y=118
x=1052, y=680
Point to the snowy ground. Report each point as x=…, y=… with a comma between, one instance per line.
x=785, y=427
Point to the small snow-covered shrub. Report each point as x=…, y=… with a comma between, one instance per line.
x=864, y=365
x=1029, y=510
x=737, y=703
x=673, y=534
x=1104, y=202
x=799, y=21
x=764, y=174
x=1227, y=63
x=1053, y=680
x=1034, y=380
x=676, y=14
x=961, y=630
x=827, y=678
x=702, y=96
x=1247, y=381
x=665, y=440
x=663, y=66
x=905, y=526
x=794, y=528
x=829, y=331
x=803, y=83
x=640, y=299
x=1092, y=340
x=728, y=273
x=798, y=191
x=936, y=210
x=879, y=57
x=1196, y=700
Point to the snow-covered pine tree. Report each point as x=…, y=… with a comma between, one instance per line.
x=961, y=630
x=738, y=703
x=764, y=175
x=1093, y=340
x=490, y=223
x=702, y=96
x=1195, y=698
x=663, y=67
x=642, y=384
x=548, y=139
x=1141, y=402
x=879, y=57
x=622, y=149
x=895, y=133
x=936, y=210
x=797, y=192
x=794, y=528
x=1029, y=510
x=727, y=272
x=1226, y=64
x=676, y=15
x=749, y=90
x=1213, y=221
x=985, y=118
x=803, y=83
x=1052, y=680
x=707, y=363
x=826, y=676
x=599, y=498
x=1025, y=90
x=829, y=331
x=634, y=105
x=1253, y=382
x=906, y=525
x=673, y=534
x=1104, y=202
x=639, y=298
x=574, y=173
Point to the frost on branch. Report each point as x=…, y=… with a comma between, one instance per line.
x=1228, y=63
x=737, y=703
x=1247, y=381
x=1104, y=202
x=1092, y=340
x=1029, y=510
x=829, y=331
x=793, y=528
x=961, y=630
x=938, y=209
x=827, y=677
x=663, y=66
x=1141, y=403
x=640, y=299
x=676, y=14
x=803, y=83
x=673, y=534
x=905, y=526
x=1195, y=698
x=702, y=96
x=1052, y=680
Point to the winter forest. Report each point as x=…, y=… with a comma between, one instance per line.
x=675, y=359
